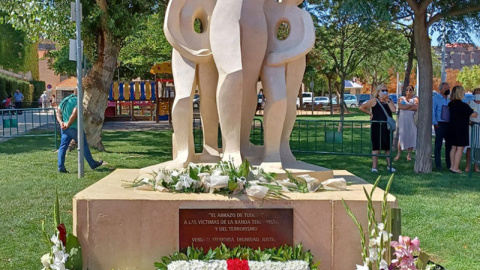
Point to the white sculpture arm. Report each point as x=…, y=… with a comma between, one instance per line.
x=307, y=43
x=172, y=30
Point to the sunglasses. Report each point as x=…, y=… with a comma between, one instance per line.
x=409, y=90
x=384, y=90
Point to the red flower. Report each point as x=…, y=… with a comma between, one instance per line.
x=62, y=234
x=237, y=264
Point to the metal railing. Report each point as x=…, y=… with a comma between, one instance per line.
x=474, y=146
x=329, y=137
x=28, y=122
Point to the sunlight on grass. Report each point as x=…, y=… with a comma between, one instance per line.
x=442, y=209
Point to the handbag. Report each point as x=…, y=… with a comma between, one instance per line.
x=445, y=113
x=391, y=124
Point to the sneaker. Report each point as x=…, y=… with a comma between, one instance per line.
x=374, y=170
x=393, y=169
x=63, y=171
x=99, y=163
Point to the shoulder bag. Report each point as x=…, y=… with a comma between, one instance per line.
x=391, y=124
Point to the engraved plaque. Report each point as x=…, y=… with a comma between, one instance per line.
x=208, y=228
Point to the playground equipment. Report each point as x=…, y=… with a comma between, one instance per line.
x=140, y=100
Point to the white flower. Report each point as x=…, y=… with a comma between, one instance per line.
x=257, y=191
x=383, y=265
x=46, y=259
x=179, y=185
x=372, y=242
x=175, y=173
x=373, y=254
x=219, y=181
x=335, y=184
x=362, y=267
x=55, y=240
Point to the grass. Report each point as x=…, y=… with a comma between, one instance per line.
x=440, y=208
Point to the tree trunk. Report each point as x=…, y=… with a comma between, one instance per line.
x=409, y=67
x=423, y=158
x=96, y=86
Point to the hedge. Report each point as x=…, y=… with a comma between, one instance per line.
x=39, y=88
x=8, y=85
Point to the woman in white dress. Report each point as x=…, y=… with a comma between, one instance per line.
x=475, y=105
x=407, y=130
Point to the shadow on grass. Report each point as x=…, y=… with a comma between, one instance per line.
x=406, y=181
x=20, y=145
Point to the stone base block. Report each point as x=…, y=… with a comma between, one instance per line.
x=121, y=228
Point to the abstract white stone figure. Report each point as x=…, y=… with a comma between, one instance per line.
x=282, y=75
x=192, y=65
x=238, y=38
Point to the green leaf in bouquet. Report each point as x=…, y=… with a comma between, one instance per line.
x=45, y=236
x=232, y=185
x=244, y=169
x=160, y=266
x=193, y=173
x=422, y=261
x=56, y=210
x=73, y=248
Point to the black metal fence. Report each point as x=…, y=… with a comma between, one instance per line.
x=352, y=138
x=28, y=122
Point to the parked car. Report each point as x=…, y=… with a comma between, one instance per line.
x=307, y=98
x=196, y=101
x=363, y=98
x=350, y=100
x=321, y=100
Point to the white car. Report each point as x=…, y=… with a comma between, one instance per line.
x=350, y=100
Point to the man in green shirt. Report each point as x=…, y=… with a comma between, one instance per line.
x=67, y=117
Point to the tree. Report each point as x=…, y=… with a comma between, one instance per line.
x=145, y=47
x=378, y=68
x=470, y=77
x=461, y=18
x=347, y=42
x=105, y=27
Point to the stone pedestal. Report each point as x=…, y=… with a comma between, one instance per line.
x=121, y=228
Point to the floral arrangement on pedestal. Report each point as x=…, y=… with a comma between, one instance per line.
x=65, y=252
x=226, y=178
x=240, y=258
x=408, y=255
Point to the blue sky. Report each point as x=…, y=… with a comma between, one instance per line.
x=475, y=39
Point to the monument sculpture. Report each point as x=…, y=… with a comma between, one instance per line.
x=282, y=75
x=192, y=66
x=238, y=45
x=123, y=228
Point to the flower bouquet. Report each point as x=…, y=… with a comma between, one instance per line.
x=65, y=251
x=225, y=178
x=240, y=258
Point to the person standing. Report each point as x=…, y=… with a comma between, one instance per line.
x=67, y=118
x=440, y=119
x=475, y=105
x=460, y=114
x=18, y=99
x=407, y=138
x=380, y=135
x=44, y=99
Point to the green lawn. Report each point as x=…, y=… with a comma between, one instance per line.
x=442, y=209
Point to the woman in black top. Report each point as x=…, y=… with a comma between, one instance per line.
x=380, y=135
x=458, y=133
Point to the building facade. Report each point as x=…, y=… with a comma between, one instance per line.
x=459, y=55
